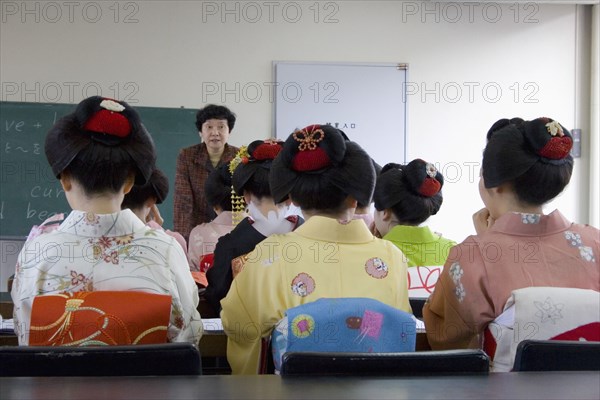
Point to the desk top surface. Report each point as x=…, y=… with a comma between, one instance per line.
x=522, y=385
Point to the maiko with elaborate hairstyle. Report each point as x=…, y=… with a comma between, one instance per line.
x=250, y=180
x=526, y=164
x=98, y=153
x=405, y=197
x=330, y=255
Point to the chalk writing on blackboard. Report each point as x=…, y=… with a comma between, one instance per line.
x=30, y=193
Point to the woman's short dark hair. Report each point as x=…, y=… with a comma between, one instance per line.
x=157, y=187
x=532, y=156
x=218, y=188
x=412, y=192
x=213, y=111
x=100, y=147
x=319, y=169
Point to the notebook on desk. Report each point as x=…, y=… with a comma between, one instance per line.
x=7, y=326
x=213, y=326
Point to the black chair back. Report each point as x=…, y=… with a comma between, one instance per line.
x=557, y=355
x=140, y=360
x=446, y=362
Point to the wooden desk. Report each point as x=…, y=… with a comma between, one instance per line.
x=510, y=385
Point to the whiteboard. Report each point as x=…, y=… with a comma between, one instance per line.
x=365, y=100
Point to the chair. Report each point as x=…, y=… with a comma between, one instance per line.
x=417, y=304
x=137, y=360
x=557, y=355
x=445, y=362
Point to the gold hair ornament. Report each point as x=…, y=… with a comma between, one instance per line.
x=238, y=205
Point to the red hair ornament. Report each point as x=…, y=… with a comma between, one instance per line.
x=559, y=145
x=109, y=120
x=267, y=150
x=430, y=186
x=310, y=156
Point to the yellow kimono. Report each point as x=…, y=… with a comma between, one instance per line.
x=322, y=258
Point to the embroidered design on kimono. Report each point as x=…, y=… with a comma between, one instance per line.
x=80, y=280
x=92, y=219
x=530, y=218
x=303, y=284
x=573, y=238
x=586, y=252
x=456, y=273
x=548, y=311
x=372, y=322
x=376, y=268
x=303, y=325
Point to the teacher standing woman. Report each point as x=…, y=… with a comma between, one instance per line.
x=196, y=162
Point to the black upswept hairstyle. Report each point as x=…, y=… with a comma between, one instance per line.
x=398, y=189
x=252, y=174
x=218, y=188
x=319, y=169
x=99, y=160
x=213, y=111
x=514, y=155
x=157, y=187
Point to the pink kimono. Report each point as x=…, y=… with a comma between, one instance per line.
x=204, y=238
x=518, y=251
x=176, y=235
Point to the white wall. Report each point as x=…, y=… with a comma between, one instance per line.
x=177, y=48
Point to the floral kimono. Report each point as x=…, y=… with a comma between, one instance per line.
x=100, y=252
x=518, y=251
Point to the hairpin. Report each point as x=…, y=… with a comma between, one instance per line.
x=559, y=145
x=309, y=140
x=430, y=186
x=238, y=205
x=310, y=156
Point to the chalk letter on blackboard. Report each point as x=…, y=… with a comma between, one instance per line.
x=30, y=212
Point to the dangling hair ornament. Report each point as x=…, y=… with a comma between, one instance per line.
x=430, y=186
x=559, y=145
x=109, y=120
x=310, y=156
x=238, y=205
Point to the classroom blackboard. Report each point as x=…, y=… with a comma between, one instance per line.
x=29, y=193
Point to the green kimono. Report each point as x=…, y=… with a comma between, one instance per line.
x=420, y=245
